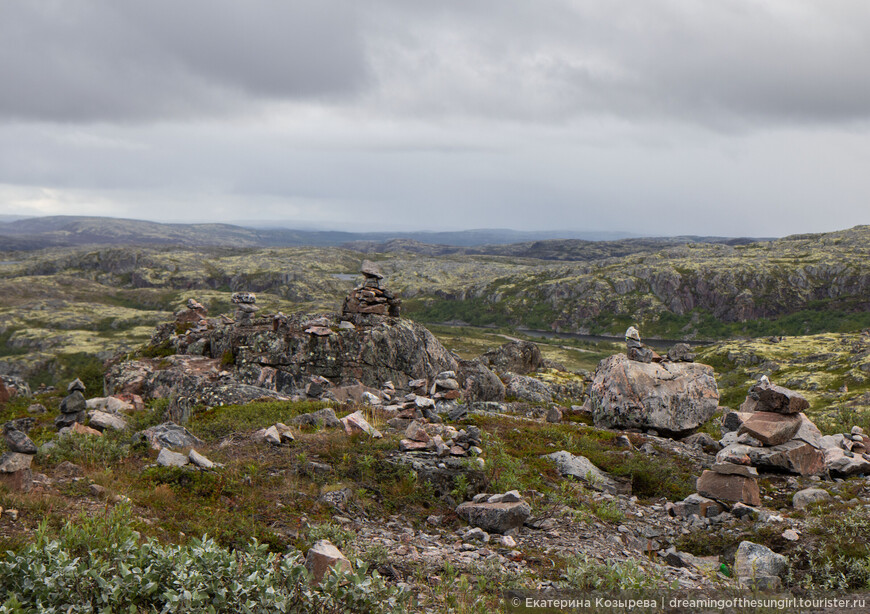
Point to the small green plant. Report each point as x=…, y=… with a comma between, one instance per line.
x=90, y=450
x=161, y=350
x=227, y=358
x=584, y=573
x=335, y=533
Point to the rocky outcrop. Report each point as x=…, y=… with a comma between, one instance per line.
x=582, y=468
x=280, y=357
x=529, y=389
x=671, y=398
x=12, y=386
x=520, y=357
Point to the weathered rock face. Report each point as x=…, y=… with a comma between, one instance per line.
x=672, y=398
x=521, y=357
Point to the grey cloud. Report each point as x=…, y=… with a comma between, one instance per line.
x=723, y=63
x=109, y=60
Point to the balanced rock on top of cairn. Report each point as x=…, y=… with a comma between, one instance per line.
x=634, y=348
x=371, y=297
x=195, y=312
x=245, y=307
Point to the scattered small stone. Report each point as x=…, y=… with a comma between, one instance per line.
x=803, y=498
x=356, y=423
x=199, y=460
x=80, y=429
x=322, y=557
x=168, y=458
x=757, y=566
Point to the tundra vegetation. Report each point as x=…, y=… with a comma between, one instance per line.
x=111, y=528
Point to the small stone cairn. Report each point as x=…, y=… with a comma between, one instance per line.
x=246, y=307
x=371, y=297
x=195, y=312
x=15, y=472
x=634, y=348
x=73, y=408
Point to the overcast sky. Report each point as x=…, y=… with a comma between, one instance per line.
x=732, y=117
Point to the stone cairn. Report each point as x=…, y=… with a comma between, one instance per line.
x=246, y=307
x=371, y=297
x=15, y=472
x=73, y=408
x=634, y=348
x=195, y=312
x=770, y=431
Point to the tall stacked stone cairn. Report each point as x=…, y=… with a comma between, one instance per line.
x=771, y=433
x=371, y=297
x=246, y=307
x=73, y=408
x=15, y=471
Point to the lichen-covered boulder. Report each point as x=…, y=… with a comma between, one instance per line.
x=479, y=383
x=522, y=357
x=671, y=398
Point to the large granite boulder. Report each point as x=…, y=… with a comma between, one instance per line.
x=521, y=357
x=671, y=398
x=479, y=383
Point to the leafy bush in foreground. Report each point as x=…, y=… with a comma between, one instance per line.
x=102, y=565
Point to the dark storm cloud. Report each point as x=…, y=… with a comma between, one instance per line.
x=107, y=60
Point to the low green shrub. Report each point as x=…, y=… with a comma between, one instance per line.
x=103, y=565
x=91, y=450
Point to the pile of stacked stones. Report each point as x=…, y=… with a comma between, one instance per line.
x=440, y=439
x=371, y=298
x=846, y=453
x=73, y=408
x=769, y=432
x=194, y=313
x=445, y=387
x=246, y=307
x=15, y=471
x=635, y=350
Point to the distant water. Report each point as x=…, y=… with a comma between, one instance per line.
x=346, y=276
x=655, y=343
x=2, y=262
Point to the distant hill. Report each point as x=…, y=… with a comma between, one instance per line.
x=72, y=231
